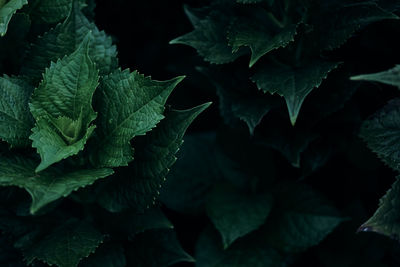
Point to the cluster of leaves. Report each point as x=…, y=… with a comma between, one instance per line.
x=263, y=211
x=85, y=146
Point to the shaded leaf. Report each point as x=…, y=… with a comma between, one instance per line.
x=391, y=77
x=7, y=10
x=107, y=255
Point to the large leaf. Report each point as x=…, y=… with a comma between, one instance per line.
x=386, y=219
x=107, y=255
x=66, y=38
x=138, y=186
x=381, y=132
x=303, y=218
x=15, y=119
x=129, y=105
x=62, y=107
x=209, y=38
x=46, y=186
x=7, y=10
x=66, y=245
x=50, y=11
x=259, y=33
x=158, y=248
x=391, y=77
x=294, y=83
x=236, y=214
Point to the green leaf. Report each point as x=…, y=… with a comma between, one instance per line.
x=46, y=186
x=209, y=38
x=138, y=185
x=62, y=107
x=7, y=10
x=107, y=255
x=64, y=39
x=51, y=11
x=236, y=214
x=386, y=219
x=391, y=77
x=381, y=132
x=304, y=218
x=250, y=1
x=258, y=32
x=66, y=245
x=129, y=105
x=15, y=119
x=294, y=83
x=158, y=248
x=248, y=251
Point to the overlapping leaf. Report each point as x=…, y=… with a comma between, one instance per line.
x=7, y=10
x=62, y=107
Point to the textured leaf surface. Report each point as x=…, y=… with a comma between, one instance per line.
x=107, y=255
x=7, y=10
x=158, y=248
x=50, y=11
x=381, y=132
x=66, y=245
x=209, y=38
x=64, y=39
x=235, y=214
x=305, y=218
x=47, y=186
x=62, y=107
x=386, y=219
x=129, y=105
x=293, y=83
x=391, y=77
x=258, y=32
x=139, y=185
x=15, y=119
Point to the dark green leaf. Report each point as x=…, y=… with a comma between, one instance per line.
x=391, y=77
x=107, y=255
x=7, y=10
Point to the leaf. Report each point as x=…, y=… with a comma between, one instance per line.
x=51, y=11
x=304, y=219
x=391, y=77
x=258, y=32
x=138, y=185
x=62, y=107
x=15, y=119
x=386, y=219
x=64, y=39
x=192, y=175
x=129, y=105
x=66, y=245
x=294, y=83
x=250, y=1
x=345, y=19
x=107, y=255
x=209, y=38
x=7, y=10
x=236, y=214
x=162, y=243
x=48, y=185
x=381, y=133
x=245, y=252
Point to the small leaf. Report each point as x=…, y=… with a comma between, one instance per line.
x=129, y=105
x=62, y=107
x=7, y=10
x=66, y=245
x=48, y=185
x=386, y=219
x=381, y=132
x=138, y=186
x=158, y=248
x=15, y=119
x=236, y=214
x=294, y=83
x=391, y=77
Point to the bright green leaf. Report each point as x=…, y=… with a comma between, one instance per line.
x=294, y=83
x=15, y=119
x=236, y=214
x=66, y=245
x=391, y=77
x=129, y=105
x=138, y=185
x=7, y=10
x=46, y=186
x=62, y=107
